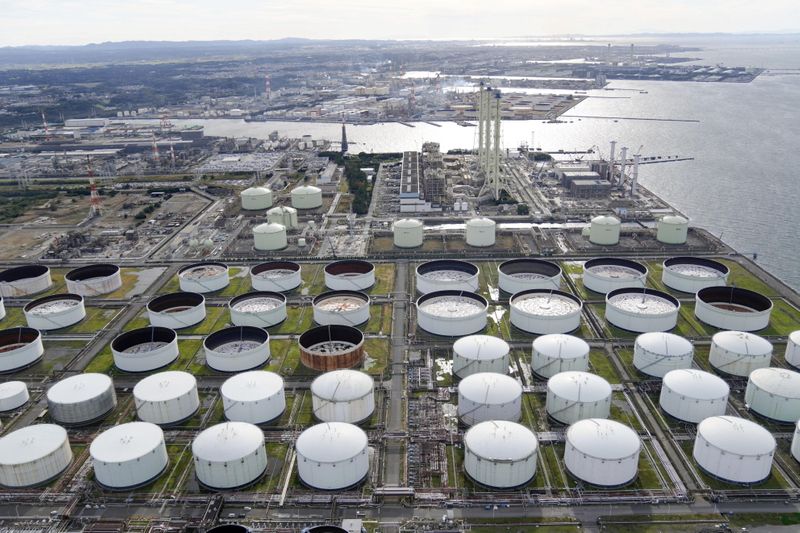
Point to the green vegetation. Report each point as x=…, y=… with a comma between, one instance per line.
x=356, y=178
x=14, y=204
x=96, y=319
x=216, y=318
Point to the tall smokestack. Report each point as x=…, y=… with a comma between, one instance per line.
x=611, y=161
x=623, y=162
x=634, y=174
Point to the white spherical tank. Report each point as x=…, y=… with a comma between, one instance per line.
x=256, y=397
x=446, y=274
x=332, y=456
x=94, y=280
x=738, y=353
x=347, y=308
x=408, y=233
x=33, y=455
x=177, y=310
x=602, y=452
x=545, y=311
x=792, y=354
x=732, y=308
x=657, y=353
x=489, y=396
x=672, y=229
x=606, y=274
x=774, y=393
x=343, y=396
x=452, y=313
x=518, y=275
x=481, y=232
x=269, y=236
x=284, y=215
x=237, y=348
x=306, y=197
x=262, y=309
x=229, y=455
x=19, y=348
x=13, y=395
x=693, y=395
x=129, y=455
x=690, y=274
x=166, y=398
x=573, y=396
x=276, y=276
x=734, y=449
x=349, y=275
x=500, y=454
x=145, y=349
x=81, y=399
x=256, y=198
x=480, y=353
x=642, y=310
x=556, y=352
x=24, y=280
x=604, y=230
x=796, y=442
x=204, y=277
x=55, y=312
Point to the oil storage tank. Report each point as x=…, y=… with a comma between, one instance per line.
x=489, y=396
x=2, y=308
x=94, y=280
x=792, y=354
x=732, y=308
x=642, y=310
x=446, y=274
x=343, y=396
x=256, y=198
x=177, y=310
x=606, y=274
x=262, y=309
x=13, y=395
x=33, y=455
x=81, y=399
x=738, y=353
x=545, y=311
x=284, y=215
x=480, y=353
x=276, y=276
x=24, y=280
x=19, y=348
x=693, y=395
x=452, y=313
x=55, y=311
x=500, y=454
x=256, y=397
x=145, y=349
x=774, y=393
x=229, y=455
x=672, y=229
x=204, y=277
x=129, y=455
x=306, y=197
x=795, y=449
x=408, y=233
x=526, y=273
x=690, y=274
x=166, y=398
x=333, y=347
x=602, y=452
x=349, y=275
x=604, y=230
x=557, y=352
x=481, y=232
x=573, y=396
x=269, y=237
x=657, y=353
x=237, y=348
x=332, y=456
x=348, y=308
x=734, y=449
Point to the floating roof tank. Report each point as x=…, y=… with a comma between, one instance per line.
x=261, y=309
x=34, y=455
x=734, y=449
x=692, y=395
x=545, y=311
x=347, y=308
x=204, y=277
x=738, y=353
x=94, y=280
x=269, y=236
x=500, y=454
x=489, y=396
x=573, y=396
x=602, y=452
x=129, y=455
x=447, y=274
x=690, y=274
x=452, y=313
x=256, y=198
x=672, y=229
x=523, y=274
x=332, y=456
x=166, y=398
x=177, y=310
x=657, y=353
x=145, y=349
x=56, y=311
x=774, y=393
x=349, y=275
x=557, y=352
x=606, y=274
x=19, y=348
x=732, y=308
x=334, y=347
x=480, y=353
x=408, y=233
x=642, y=310
x=256, y=397
x=24, y=280
x=276, y=276
x=481, y=232
x=604, y=230
x=229, y=455
x=343, y=396
x=237, y=348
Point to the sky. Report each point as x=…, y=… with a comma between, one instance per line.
x=74, y=22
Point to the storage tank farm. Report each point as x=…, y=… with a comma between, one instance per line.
x=408, y=233
x=738, y=353
x=732, y=308
x=94, y=280
x=445, y=274
x=24, y=280
x=774, y=393
x=257, y=397
x=545, y=311
x=145, y=349
x=81, y=399
x=283, y=215
x=19, y=348
x=349, y=275
x=229, y=455
x=347, y=308
x=605, y=274
x=331, y=347
x=343, y=396
x=557, y=352
x=237, y=348
x=573, y=396
x=452, y=313
x=602, y=452
x=332, y=456
x=306, y=197
x=177, y=310
x=642, y=310
x=489, y=396
x=500, y=454
x=795, y=449
x=692, y=395
x=166, y=398
x=480, y=353
x=734, y=449
x=54, y=312
x=690, y=274
x=204, y=277
x=518, y=275
x=262, y=309
x=276, y=276
x=34, y=455
x=129, y=455
x=657, y=353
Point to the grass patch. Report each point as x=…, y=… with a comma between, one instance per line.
x=103, y=362
x=96, y=319
x=216, y=318
x=600, y=364
x=739, y=276
x=378, y=356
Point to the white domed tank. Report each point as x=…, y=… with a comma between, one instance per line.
x=276, y=276
x=306, y=197
x=24, y=280
x=332, y=456
x=690, y=274
x=261, y=309
x=129, y=455
x=177, y=310
x=347, y=308
x=284, y=215
x=481, y=232
x=732, y=308
x=269, y=237
x=774, y=393
x=556, y=352
x=545, y=311
x=657, y=353
x=738, y=353
x=13, y=395
x=573, y=396
x=256, y=397
x=256, y=198
x=408, y=233
x=145, y=349
x=500, y=454
x=480, y=353
x=792, y=354
x=237, y=348
x=54, y=312
x=452, y=313
x=447, y=274
x=606, y=274
x=81, y=399
x=734, y=449
x=349, y=275
x=343, y=396
x=166, y=398
x=204, y=277
x=19, y=348
x=489, y=396
x=796, y=442
x=94, y=280
x=602, y=452
x=642, y=310
x=229, y=455
x=692, y=395
x=518, y=275
x=672, y=229
x=33, y=455
x=604, y=230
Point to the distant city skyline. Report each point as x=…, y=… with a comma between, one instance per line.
x=76, y=22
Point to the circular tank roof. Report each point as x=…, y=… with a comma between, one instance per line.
x=481, y=347
x=696, y=384
x=23, y=272
x=331, y=442
x=452, y=304
x=99, y=270
x=481, y=222
x=199, y=271
x=545, y=302
x=331, y=339
x=734, y=299
x=490, y=388
x=256, y=191
x=9, y=389
x=257, y=302
x=349, y=267
x=606, y=220
x=340, y=301
x=674, y=219
x=795, y=336
x=275, y=269
x=603, y=439
x=228, y=441
x=306, y=189
x=742, y=342
x=269, y=228
x=31, y=443
x=281, y=209
x=645, y=302
x=561, y=345
x=164, y=386
x=579, y=386
x=501, y=440
x=447, y=270
x=251, y=386
x=615, y=268
x=736, y=435
x=408, y=223
x=143, y=340
x=663, y=343
x=126, y=442
x=778, y=381
x=529, y=269
x=79, y=388
x=342, y=385
x=175, y=301
x=53, y=304
x=696, y=267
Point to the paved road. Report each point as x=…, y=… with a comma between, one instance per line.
x=394, y=456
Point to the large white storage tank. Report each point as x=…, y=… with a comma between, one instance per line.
x=129, y=455
x=606, y=274
x=738, y=353
x=276, y=276
x=166, y=398
x=774, y=393
x=94, y=280
x=690, y=274
x=408, y=233
x=732, y=308
x=19, y=348
x=500, y=454
x=604, y=230
x=145, y=349
x=229, y=455
x=672, y=229
x=332, y=456
x=693, y=395
x=481, y=232
x=256, y=198
x=642, y=310
x=237, y=348
x=256, y=397
x=24, y=280
x=33, y=455
x=452, y=313
x=349, y=275
x=261, y=309
x=306, y=197
x=657, y=353
x=557, y=352
x=545, y=311
x=573, y=396
x=81, y=399
x=792, y=354
x=346, y=308
x=269, y=237
x=734, y=449
x=343, y=396
x=177, y=310
x=489, y=396
x=602, y=452
x=480, y=353
x=284, y=215
x=517, y=275
x=54, y=312
x=13, y=395
x=204, y=277
x=796, y=442
x=447, y=274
